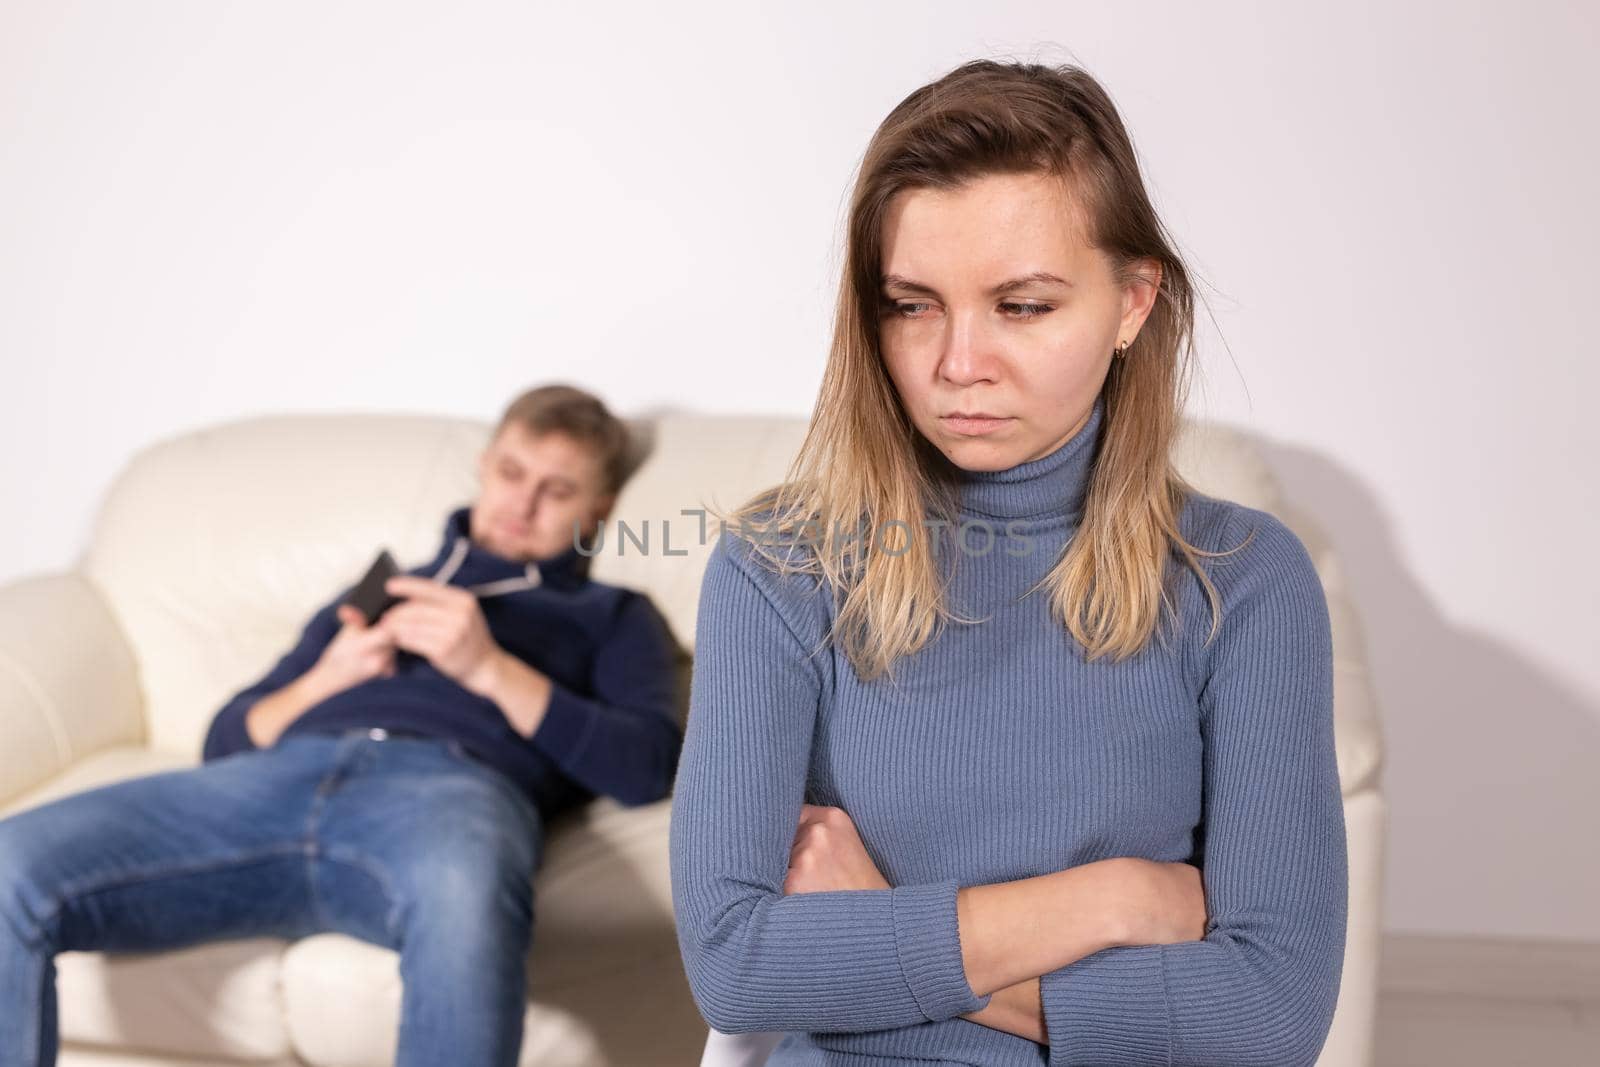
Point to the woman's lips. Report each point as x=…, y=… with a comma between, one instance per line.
x=973, y=427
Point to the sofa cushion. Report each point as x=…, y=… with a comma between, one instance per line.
x=213, y=548
x=695, y=461
x=342, y=1004
x=217, y=1000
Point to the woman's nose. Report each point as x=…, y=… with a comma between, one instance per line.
x=966, y=355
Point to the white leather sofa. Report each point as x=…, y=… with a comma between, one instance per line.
x=208, y=553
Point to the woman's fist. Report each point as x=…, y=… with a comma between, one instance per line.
x=828, y=854
x=1157, y=903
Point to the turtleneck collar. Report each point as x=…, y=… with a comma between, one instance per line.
x=463, y=561
x=1052, y=486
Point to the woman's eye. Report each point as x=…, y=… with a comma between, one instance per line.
x=1015, y=310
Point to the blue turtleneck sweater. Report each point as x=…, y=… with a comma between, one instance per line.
x=1001, y=753
x=610, y=728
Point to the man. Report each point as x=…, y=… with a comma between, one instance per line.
x=391, y=781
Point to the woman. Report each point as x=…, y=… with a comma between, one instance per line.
x=1006, y=745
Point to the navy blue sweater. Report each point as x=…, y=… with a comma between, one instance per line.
x=610, y=729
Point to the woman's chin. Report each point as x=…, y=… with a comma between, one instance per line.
x=978, y=454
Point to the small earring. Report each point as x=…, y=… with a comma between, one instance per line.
x=1121, y=350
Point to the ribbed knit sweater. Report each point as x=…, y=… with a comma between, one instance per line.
x=998, y=752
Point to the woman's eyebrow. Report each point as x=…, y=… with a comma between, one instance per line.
x=899, y=281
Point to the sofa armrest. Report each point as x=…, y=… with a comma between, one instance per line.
x=1358, y=728
x=68, y=682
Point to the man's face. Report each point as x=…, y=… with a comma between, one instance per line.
x=533, y=488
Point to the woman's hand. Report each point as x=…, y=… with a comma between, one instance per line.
x=1157, y=903
x=828, y=854
x=1016, y=1009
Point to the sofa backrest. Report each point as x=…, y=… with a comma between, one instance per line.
x=212, y=548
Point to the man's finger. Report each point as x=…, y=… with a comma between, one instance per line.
x=412, y=585
x=420, y=635
x=380, y=635
x=415, y=612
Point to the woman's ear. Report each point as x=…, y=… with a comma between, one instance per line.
x=1139, y=297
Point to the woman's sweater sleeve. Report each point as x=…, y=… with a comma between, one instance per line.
x=757, y=959
x=1260, y=988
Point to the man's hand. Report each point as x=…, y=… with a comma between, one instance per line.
x=443, y=624
x=828, y=854
x=357, y=653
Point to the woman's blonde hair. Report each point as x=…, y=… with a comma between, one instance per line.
x=863, y=464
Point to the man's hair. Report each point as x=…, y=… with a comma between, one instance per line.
x=580, y=415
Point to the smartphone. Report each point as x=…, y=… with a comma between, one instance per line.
x=369, y=596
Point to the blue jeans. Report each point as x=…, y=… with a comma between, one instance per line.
x=404, y=842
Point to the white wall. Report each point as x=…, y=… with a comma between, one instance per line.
x=214, y=209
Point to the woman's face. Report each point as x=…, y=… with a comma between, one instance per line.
x=993, y=306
